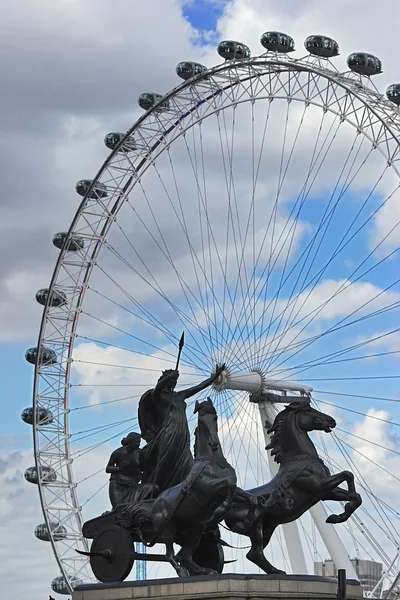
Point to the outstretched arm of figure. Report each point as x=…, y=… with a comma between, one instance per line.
x=204, y=384
x=111, y=467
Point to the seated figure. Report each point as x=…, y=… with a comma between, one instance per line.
x=125, y=466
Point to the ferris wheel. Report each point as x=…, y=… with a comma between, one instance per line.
x=251, y=206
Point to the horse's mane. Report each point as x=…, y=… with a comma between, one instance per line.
x=276, y=442
x=202, y=407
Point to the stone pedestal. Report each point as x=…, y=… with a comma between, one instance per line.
x=223, y=587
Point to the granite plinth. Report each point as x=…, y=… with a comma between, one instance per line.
x=223, y=587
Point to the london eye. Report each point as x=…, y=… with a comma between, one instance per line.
x=254, y=207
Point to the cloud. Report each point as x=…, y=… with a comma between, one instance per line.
x=56, y=101
x=334, y=299
x=97, y=366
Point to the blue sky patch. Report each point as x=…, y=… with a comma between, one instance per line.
x=203, y=15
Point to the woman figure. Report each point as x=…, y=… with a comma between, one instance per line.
x=167, y=458
x=126, y=473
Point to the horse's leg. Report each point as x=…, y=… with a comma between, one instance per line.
x=170, y=554
x=329, y=483
x=341, y=495
x=189, y=542
x=322, y=487
x=260, y=538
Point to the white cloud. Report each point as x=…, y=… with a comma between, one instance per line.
x=334, y=299
x=131, y=374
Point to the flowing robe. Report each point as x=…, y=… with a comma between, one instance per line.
x=167, y=459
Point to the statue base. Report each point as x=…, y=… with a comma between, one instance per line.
x=224, y=587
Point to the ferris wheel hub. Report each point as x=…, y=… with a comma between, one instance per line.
x=255, y=383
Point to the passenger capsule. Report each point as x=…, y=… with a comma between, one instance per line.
x=75, y=242
x=48, y=475
x=231, y=50
x=187, y=70
x=275, y=41
x=113, y=139
x=321, y=45
x=149, y=99
x=57, y=297
x=42, y=533
x=60, y=586
x=46, y=356
x=44, y=416
x=364, y=64
x=99, y=190
x=393, y=93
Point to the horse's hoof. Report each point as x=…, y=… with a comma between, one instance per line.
x=182, y=572
x=333, y=519
x=277, y=572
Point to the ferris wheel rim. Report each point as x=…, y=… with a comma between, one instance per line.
x=263, y=61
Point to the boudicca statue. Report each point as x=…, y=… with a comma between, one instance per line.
x=186, y=514
x=167, y=458
x=160, y=494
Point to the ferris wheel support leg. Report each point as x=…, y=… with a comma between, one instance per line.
x=332, y=541
x=290, y=530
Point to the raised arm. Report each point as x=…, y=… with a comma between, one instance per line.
x=204, y=384
x=111, y=467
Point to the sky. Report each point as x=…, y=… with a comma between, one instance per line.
x=71, y=72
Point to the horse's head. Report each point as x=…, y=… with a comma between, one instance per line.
x=289, y=431
x=311, y=419
x=207, y=428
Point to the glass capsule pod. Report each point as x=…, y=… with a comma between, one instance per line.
x=45, y=357
x=321, y=45
x=43, y=416
x=187, y=70
x=364, y=64
x=231, y=50
x=149, y=99
x=75, y=242
x=275, y=41
x=393, y=93
x=48, y=475
x=59, y=585
x=42, y=533
x=57, y=298
x=112, y=140
x=99, y=191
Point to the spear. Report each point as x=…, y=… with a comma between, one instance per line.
x=181, y=343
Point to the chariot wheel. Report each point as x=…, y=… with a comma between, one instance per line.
x=112, y=554
x=255, y=206
x=209, y=554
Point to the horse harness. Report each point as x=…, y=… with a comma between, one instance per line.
x=279, y=494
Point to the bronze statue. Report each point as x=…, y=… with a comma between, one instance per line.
x=302, y=480
x=126, y=472
x=161, y=495
x=167, y=458
x=181, y=514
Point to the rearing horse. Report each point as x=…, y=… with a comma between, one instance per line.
x=302, y=481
